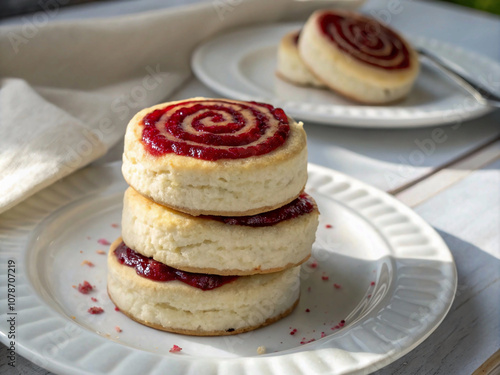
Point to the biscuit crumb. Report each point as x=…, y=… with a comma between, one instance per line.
x=88, y=263
x=261, y=350
x=101, y=252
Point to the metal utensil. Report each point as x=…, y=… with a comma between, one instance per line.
x=481, y=94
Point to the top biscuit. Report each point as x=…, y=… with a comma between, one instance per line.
x=216, y=156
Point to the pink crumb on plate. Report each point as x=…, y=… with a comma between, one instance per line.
x=103, y=241
x=85, y=288
x=175, y=349
x=337, y=286
x=95, y=310
x=304, y=341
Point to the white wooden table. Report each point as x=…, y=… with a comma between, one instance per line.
x=456, y=189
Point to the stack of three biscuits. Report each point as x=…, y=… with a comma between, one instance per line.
x=214, y=245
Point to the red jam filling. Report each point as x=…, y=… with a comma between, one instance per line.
x=296, y=38
x=366, y=40
x=215, y=129
x=304, y=204
x=153, y=270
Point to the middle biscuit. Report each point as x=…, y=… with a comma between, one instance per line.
x=263, y=243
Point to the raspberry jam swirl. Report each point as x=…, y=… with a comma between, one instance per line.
x=214, y=129
x=366, y=40
x=153, y=270
x=303, y=205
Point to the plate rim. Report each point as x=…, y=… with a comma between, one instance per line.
x=445, y=116
x=54, y=365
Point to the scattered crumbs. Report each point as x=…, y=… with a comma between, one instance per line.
x=85, y=288
x=369, y=296
x=339, y=325
x=372, y=283
x=116, y=308
x=337, y=286
x=101, y=252
x=73, y=286
x=88, y=237
x=81, y=251
x=261, y=350
x=328, y=226
x=293, y=332
x=114, y=225
x=307, y=310
x=88, y=263
x=175, y=349
x=313, y=264
x=118, y=329
x=95, y=310
x=309, y=289
x=103, y=241
x=323, y=334
x=73, y=317
x=306, y=342
x=324, y=277
x=93, y=299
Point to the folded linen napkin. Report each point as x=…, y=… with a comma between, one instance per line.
x=68, y=89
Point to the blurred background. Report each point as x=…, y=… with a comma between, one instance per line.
x=9, y=8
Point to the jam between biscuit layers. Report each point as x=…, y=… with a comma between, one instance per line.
x=304, y=204
x=153, y=270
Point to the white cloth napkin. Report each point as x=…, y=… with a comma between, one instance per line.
x=68, y=89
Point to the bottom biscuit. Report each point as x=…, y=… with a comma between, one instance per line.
x=222, y=306
x=230, y=331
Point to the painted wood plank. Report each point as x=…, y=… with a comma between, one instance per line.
x=467, y=215
x=444, y=178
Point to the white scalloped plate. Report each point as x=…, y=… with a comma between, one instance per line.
x=242, y=64
x=397, y=281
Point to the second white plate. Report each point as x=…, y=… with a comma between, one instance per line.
x=241, y=65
